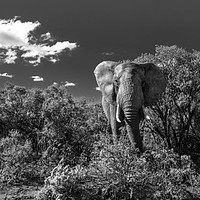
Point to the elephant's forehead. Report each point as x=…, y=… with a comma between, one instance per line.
x=129, y=70
x=124, y=67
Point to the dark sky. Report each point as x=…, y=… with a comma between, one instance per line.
x=104, y=30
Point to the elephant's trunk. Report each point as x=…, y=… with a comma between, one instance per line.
x=132, y=120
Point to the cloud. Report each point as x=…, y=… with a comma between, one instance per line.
x=19, y=40
x=37, y=78
x=6, y=75
x=67, y=84
x=108, y=53
x=10, y=56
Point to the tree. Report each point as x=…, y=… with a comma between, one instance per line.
x=175, y=115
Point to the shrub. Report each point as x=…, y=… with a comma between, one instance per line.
x=175, y=116
x=15, y=159
x=116, y=172
x=71, y=127
x=51, y=124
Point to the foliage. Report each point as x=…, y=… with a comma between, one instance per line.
x=15, y=159
x=20, y=110
x=52, y=123
x=175, y=116
x=70, y=128
x=116, y=172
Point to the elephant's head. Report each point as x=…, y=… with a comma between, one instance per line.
x=129, y=86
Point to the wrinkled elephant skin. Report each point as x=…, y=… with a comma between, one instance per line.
x=126, y=88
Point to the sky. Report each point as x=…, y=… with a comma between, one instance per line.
x=45, y=42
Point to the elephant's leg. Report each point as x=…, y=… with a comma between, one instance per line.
x=110, y=112
x=106, y=108
x=109, y=132
x=113, y=123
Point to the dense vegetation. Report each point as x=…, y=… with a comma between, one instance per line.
x=50, y=137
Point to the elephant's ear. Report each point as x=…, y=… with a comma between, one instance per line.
x=104, y=73
x=154, y=83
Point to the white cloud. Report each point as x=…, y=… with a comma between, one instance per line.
x=47, y=36
x=67, y=84
x=108, y=53
x=17, y=36
x=10, y=56
x=37, y=78
x=6, y=75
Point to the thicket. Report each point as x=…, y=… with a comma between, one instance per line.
x=51, y=137
x=39, y=127
x=175, y=117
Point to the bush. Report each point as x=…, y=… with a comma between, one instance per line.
x=15, y=159
x=116, y=172
x=175, y=116
x=71, y=127
x=50, y=124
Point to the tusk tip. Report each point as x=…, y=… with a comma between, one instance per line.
x=118, y=120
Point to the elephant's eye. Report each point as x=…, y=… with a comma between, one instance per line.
x=116, y=82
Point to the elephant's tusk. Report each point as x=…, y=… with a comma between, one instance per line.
x=117, y=114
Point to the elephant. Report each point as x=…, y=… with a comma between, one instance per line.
x=127, y=88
